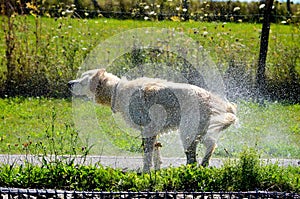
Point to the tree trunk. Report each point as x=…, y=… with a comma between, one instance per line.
x=264, y=42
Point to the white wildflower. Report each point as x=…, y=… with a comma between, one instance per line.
x=261, y=6
x=236, y=9
x=146, y=7
x=69, y=11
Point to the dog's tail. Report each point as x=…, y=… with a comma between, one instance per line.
x=223, y=114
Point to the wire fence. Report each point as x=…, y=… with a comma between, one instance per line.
x=159, y=10
x=47, y=193
x=141, y=14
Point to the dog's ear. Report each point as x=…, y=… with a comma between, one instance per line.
x=101, y=72
x=95, y=79
x=102, y=78
x=98, y=79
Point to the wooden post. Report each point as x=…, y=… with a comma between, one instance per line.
x=264, y=42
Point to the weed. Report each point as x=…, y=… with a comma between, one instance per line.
x=244, y=174
x=52, y=55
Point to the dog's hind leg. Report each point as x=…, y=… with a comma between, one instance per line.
x=210, y=144
x=148, y=145
x=189, y=142
x=190, y=153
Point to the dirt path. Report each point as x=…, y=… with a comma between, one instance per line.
x=124, y=162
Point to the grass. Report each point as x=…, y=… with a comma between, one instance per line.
x=50, y=126
x=273, y=130
x=239, y=41
x=40, y=125
x=33, y=123
x=59, y=47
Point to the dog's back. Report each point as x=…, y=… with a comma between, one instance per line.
x=176, y=101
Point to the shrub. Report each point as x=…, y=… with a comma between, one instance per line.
x=246, y=173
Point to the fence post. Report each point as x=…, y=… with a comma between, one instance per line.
x=264, y=42
x=186, y=11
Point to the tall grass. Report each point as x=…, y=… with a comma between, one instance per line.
x=49, y=51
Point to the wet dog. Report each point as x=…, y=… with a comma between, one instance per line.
x=155, y=106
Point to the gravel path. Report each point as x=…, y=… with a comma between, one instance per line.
x=124, y=162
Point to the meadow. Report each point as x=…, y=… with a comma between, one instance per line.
x=37, y=116
x=49, y=51
x=46, y=126
x=53, y=53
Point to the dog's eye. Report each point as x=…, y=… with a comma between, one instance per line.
x=84, y=81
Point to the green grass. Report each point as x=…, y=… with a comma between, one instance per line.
x=33, y=123
x=39, y=125
x=50, y=51
x=274, y=130
x=59, y=47
x=239, y=41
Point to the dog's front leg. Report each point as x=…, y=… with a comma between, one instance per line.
x=156, y=156
x=148, y=144
x=210, y=144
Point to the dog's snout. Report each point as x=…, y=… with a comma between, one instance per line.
x=71, y=84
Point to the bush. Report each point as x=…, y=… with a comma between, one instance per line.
x=246, y=173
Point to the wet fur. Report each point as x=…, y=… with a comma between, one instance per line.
x=108, y=89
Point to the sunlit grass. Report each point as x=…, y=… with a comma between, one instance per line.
x=225, y=41
x=273, y=129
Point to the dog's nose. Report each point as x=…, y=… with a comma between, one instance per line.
x=71, y=84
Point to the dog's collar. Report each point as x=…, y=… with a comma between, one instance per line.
x=113, y=98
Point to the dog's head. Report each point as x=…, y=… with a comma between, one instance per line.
x=96, y=84
x=81, y=86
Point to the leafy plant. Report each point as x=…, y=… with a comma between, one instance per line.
x=244, y=174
